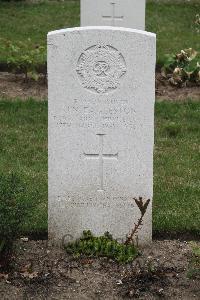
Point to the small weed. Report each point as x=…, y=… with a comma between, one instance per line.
x=142, y=205
x=194, y=265
x=104, y=246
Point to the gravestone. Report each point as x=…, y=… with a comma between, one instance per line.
x=121, y=13
x=101, y=130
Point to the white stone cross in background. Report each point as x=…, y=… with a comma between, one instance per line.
x=113, y=17
x=121, y=13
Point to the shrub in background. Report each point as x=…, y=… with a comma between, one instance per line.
x=183, y=68
x=24, y=57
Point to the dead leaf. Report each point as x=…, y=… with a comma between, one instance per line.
x=24, y=239
x=29, y=275
x=26, y=268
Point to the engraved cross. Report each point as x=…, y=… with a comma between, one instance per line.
x=113, y=18
x=101, y=156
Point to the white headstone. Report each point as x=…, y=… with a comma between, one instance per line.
x=101, y=130
x=122, y=13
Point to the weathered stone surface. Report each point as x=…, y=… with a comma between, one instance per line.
x=123, y=13
x=101, y=130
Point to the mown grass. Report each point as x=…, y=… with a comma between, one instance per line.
x=172, y=21
x=174, y=24
x=23, y=151
x=177, y=167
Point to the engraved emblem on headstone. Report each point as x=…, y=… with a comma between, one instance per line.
x=100, y=68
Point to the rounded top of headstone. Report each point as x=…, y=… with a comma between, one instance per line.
x=105, y=28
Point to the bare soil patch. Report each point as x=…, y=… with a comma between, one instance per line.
x=44, y=272
x=165, y=91
x=13, y=86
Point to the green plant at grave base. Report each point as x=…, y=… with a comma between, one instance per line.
x=104, y=246
x=24, y=57
x=194, y=265
x=15, y=206
x=183, y=68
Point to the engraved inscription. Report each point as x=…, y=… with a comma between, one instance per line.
x=74, y=200
x=100, y=68
x=113, y=17
x=101, y=156
x=85, y=113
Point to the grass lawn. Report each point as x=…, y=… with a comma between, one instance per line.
x=172, y=21
x=177, y=167
x=23, y=151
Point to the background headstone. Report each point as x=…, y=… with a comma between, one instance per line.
x=101, y=130
x=121, y=13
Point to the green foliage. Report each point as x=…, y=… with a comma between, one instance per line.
x=24, y=57
x=102, y=246
x=182, y=68
x=194, y=265
x=14, y=208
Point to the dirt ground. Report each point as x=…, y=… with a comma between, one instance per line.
x=13, y=86
x=43, y=272
x=165, y=91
